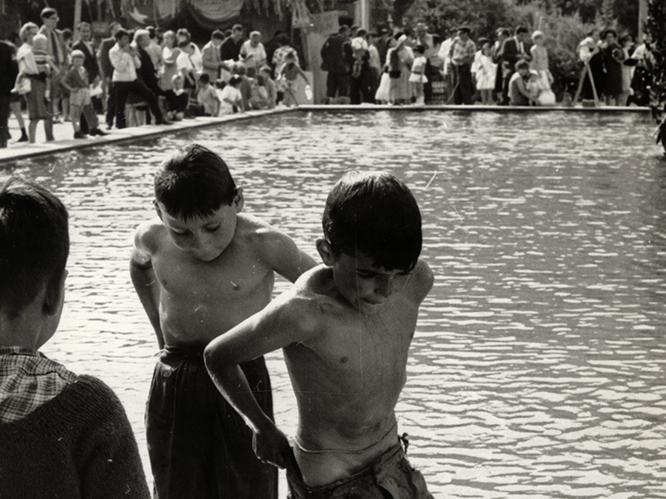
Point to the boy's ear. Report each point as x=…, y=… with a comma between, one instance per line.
x=325, y=252
x=239, y=200
x=158, y=209
x=55, y=294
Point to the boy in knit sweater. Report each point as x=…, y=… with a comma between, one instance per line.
x=199, y=270
x=63, y=435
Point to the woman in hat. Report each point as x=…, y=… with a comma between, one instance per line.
x=613, y=60
x=399, y=59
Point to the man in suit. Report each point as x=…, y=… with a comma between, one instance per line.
x=7, y=79
x=336, y=60
x=230, y=48
x=513, y=50
x=106, y=72
x=146, y=72
x=58, y=53
x=84, y=44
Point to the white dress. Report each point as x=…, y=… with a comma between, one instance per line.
x=418, y=70
x=486, y=70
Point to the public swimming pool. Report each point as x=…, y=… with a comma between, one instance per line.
x=538, y=368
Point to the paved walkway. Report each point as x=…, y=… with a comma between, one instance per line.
x=64, y=141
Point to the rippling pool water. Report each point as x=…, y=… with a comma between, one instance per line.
x=538, y=368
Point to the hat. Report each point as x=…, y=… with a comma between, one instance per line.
x=537, y=34
x=77, y=53
x=402, y=38
x=605, y=32
x=464, y=29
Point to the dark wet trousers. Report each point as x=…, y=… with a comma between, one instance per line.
x=390, y=476
x=122, y=90
x=464, y=87
x=199, y=446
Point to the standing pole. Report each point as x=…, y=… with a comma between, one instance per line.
x=77, y=16
x=642, y=17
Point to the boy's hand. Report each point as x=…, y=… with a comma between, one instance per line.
x=271, y=446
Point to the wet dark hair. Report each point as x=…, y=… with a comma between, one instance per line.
x=375, y=214
x=194, y=183
x=34, y=243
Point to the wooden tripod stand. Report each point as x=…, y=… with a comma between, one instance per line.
x=586, y=71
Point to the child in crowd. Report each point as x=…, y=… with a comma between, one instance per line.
x=486, y=73
x=360, y=47
x=231, y=100
x=207, y=96
x=289, y=75
x=176, y=99
x=533, y=87
x=62, y=434
x=199, y=270
x=76, y=82
x=45, y=66
x=518, y=92
x=417, y=77
x=345, y=329
x=271, y=87
x=245, y=87
x=259, y=96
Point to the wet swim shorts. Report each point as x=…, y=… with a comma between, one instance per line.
x=390, y=476
x=199, y=446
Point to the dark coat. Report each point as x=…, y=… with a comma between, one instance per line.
x=147, y=73
x=89, y=62
x=336, y=55
x=9, y=67
x=511, y=54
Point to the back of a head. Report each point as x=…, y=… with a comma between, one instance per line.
x=377, y=215
x=194, y=183
x=34, y=243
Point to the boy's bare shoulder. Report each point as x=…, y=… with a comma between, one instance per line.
x=308, y=302
x=149, y=236
x=422, y=280
x=263, y=238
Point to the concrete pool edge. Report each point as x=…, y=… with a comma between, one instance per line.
x=472, y=108
x=26, y=150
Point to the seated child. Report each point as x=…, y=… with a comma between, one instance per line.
x=289, y=79
x=176, y=99
x=77, y=84
x=271, y=87
x=207, y=96
x=231, y=100
x=533, y=87
x=345, y=329
x=63, y=434
x=199, y=270
x=259, y=95
x=518, y=93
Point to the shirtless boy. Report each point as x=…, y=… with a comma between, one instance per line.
x=199, y=271
x=345, y=327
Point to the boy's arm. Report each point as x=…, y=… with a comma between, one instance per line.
x=282, y=255
x=146, y=284
x=283, y=322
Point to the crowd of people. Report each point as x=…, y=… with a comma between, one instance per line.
x=415, y=66
x=162, y=76
x=136, y=77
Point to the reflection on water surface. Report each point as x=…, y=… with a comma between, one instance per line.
x=538, y=366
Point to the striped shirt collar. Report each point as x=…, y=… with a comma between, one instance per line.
x=28, y=379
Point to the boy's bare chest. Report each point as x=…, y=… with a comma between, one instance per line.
x=233, y=275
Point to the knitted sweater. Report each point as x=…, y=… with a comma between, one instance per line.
x=77, y=445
